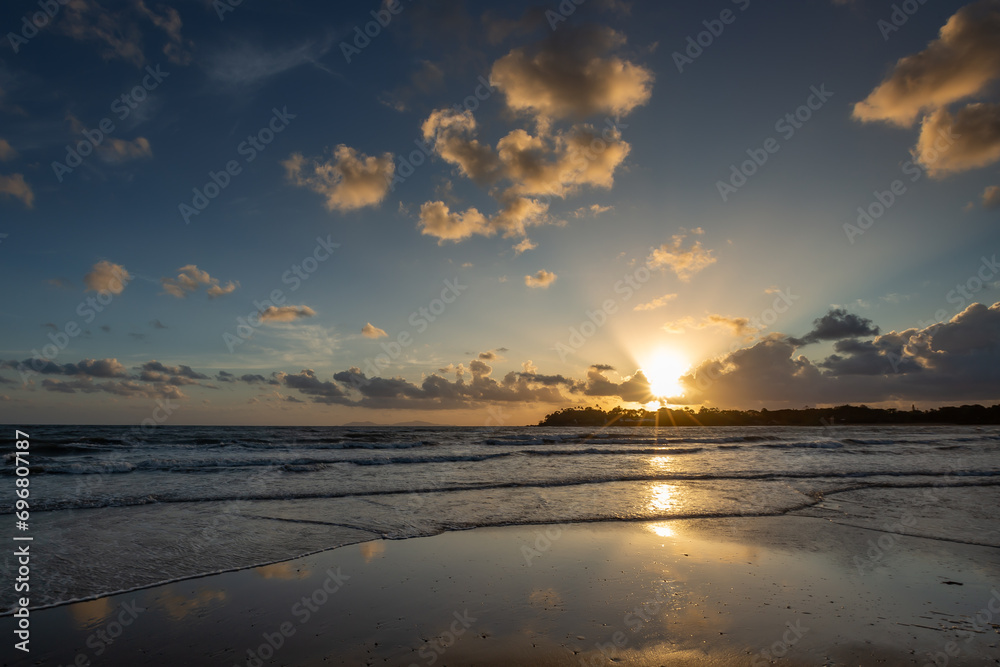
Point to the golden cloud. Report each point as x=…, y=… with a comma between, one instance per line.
x=107, y=277
x=349, y=181
x=960, y=63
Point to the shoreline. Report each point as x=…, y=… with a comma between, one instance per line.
x=680, y=591
x=955, y=498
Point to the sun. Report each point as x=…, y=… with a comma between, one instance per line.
x=664, y=371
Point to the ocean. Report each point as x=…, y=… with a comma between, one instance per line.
x=113, y=512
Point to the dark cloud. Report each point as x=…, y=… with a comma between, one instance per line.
x=126, y=388
x=306, y=382
x=635, y=388
x=955, y=360
x=182, y=371
x=155, y=372
x=253, y=378
x=100, y=368
x=835, y=325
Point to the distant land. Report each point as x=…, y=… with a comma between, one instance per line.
x=843, y=415
x=413, y=423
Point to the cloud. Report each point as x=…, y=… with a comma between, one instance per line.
x=177, y=49
x=249, y=65
x=258, y=379
x=541, y=279
x=372, y=331
x=157, y=324
x=190, y=278
x=86, y=21
x=633, y=389
x=7, y=151
x=112, y=149
x=955, y=360
x=307, y=383
x=119, y=150
x=15, y=186
x=488, y=356
x=961, y=63
x=954, y=143
x=658, y=302
x=551, y=163
x=593, y=210
x=98, y=368
x=561, y=163
x=554, y=163
x=158, y=373
x=764, y=372
x=685, y=262
x=452, y=134
x=285, y=313
x=991, y=197
x=154, y=379
x=125, y=388
x=437, y=220
x=221, y=290
x=572, y=74
x=525, y=170
x=349, y=182
x=435, y=392
x=120, y=33
x=525, y=245
x=738, y=326
x=836, y=325
x=107, y=277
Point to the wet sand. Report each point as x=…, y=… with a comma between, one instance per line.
x=741, y=591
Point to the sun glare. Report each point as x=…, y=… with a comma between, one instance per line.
x=664, y=371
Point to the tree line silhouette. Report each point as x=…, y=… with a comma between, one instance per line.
x=840, y=415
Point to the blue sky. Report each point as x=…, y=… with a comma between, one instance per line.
x=590, y=158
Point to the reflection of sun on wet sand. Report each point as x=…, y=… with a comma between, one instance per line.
x=91, y=613
x=372, y=550
x=179, y=607
x=678, y=592
x=285, y=570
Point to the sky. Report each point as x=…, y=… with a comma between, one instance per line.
x=479, y=213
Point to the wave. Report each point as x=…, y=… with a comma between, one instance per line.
x=819, y=444
x=911, y=479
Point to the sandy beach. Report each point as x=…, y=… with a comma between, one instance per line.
x=796, y=590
